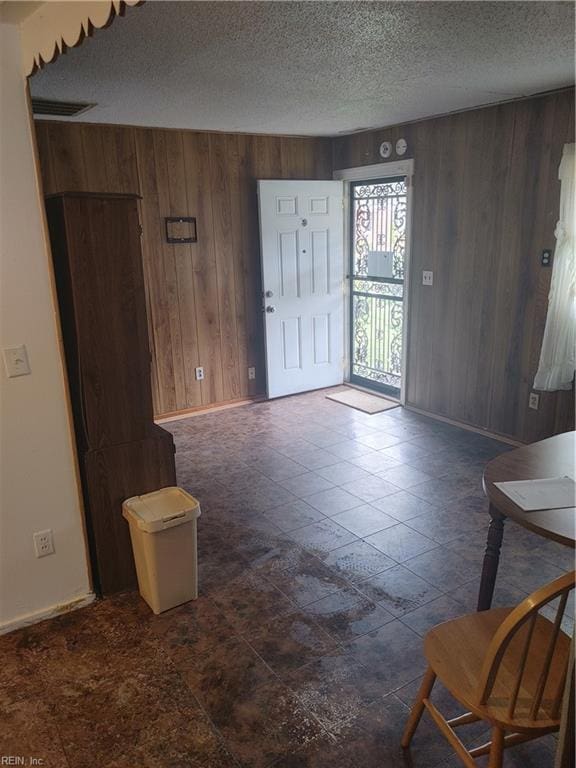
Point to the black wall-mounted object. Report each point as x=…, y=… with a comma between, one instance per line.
x=181, y=229
x=546, y=258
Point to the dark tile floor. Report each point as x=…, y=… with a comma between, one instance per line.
x=330, y=541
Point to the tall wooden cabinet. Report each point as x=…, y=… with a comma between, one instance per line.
x=95, y=241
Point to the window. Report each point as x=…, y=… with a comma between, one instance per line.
x=558, y=354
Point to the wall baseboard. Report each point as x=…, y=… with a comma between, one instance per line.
x=464, y=425
x=200, y=410
x=46, y=613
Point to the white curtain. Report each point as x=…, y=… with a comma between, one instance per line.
x=558, y=354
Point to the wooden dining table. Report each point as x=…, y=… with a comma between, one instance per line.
x=553, y=457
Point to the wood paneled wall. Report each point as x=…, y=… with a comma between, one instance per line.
x=485, y=205
x=204, y=304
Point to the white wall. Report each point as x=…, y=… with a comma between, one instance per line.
x=38, y=485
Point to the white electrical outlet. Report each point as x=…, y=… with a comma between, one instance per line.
x=427, y=277
x=16, y=361
x=199, y=372
x=251, y=373
x=534, y=401
x=43, y=543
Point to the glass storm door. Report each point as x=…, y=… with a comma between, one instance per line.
x=378, y=240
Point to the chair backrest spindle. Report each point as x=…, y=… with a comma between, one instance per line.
x=527, y=613
x=548, y=659
x=559, y=694
x=521, y=666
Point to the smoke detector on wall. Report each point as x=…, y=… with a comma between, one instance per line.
x=385, y=150
x=401, y=147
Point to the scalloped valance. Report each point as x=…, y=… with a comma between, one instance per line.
x=56, y=26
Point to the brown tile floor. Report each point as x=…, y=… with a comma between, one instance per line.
x=330, y=541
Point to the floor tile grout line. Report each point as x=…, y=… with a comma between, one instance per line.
x=219, y=735
x=437, y=545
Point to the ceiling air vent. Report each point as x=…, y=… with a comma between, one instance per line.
x=59, y=108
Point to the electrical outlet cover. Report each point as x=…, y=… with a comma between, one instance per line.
x=427, y=277
x=43, y=543
x=534, y=401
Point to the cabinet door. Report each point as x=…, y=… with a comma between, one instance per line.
x=103, y=239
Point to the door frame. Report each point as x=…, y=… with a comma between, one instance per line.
x=368, y=173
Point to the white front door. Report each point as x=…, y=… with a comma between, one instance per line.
x=301, y=233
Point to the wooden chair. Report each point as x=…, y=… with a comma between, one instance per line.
x=507, y=666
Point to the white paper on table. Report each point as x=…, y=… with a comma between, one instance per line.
x=548, y=493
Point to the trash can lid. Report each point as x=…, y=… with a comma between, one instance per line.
x=161, y=509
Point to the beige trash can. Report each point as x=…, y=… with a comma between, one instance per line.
x=163, y=533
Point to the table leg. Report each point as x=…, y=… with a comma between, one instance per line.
x=491, y=558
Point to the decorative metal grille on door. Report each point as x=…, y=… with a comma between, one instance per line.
x=378, y=234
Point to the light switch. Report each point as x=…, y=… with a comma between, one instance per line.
x=427, y=277
x=16, y=361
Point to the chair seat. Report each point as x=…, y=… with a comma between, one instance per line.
x=456, y=651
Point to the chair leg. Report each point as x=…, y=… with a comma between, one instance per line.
x=497, y=748
x=418, y=707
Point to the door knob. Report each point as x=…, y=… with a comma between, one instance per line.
x=270, y=309
x=269, y=294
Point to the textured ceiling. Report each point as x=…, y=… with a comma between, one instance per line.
x=316, y=68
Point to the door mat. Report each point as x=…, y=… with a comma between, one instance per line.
x=362, y=401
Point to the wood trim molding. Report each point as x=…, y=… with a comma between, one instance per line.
x=464, y=425
x=202, y=410
x=376, y=171
x=56, y=26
